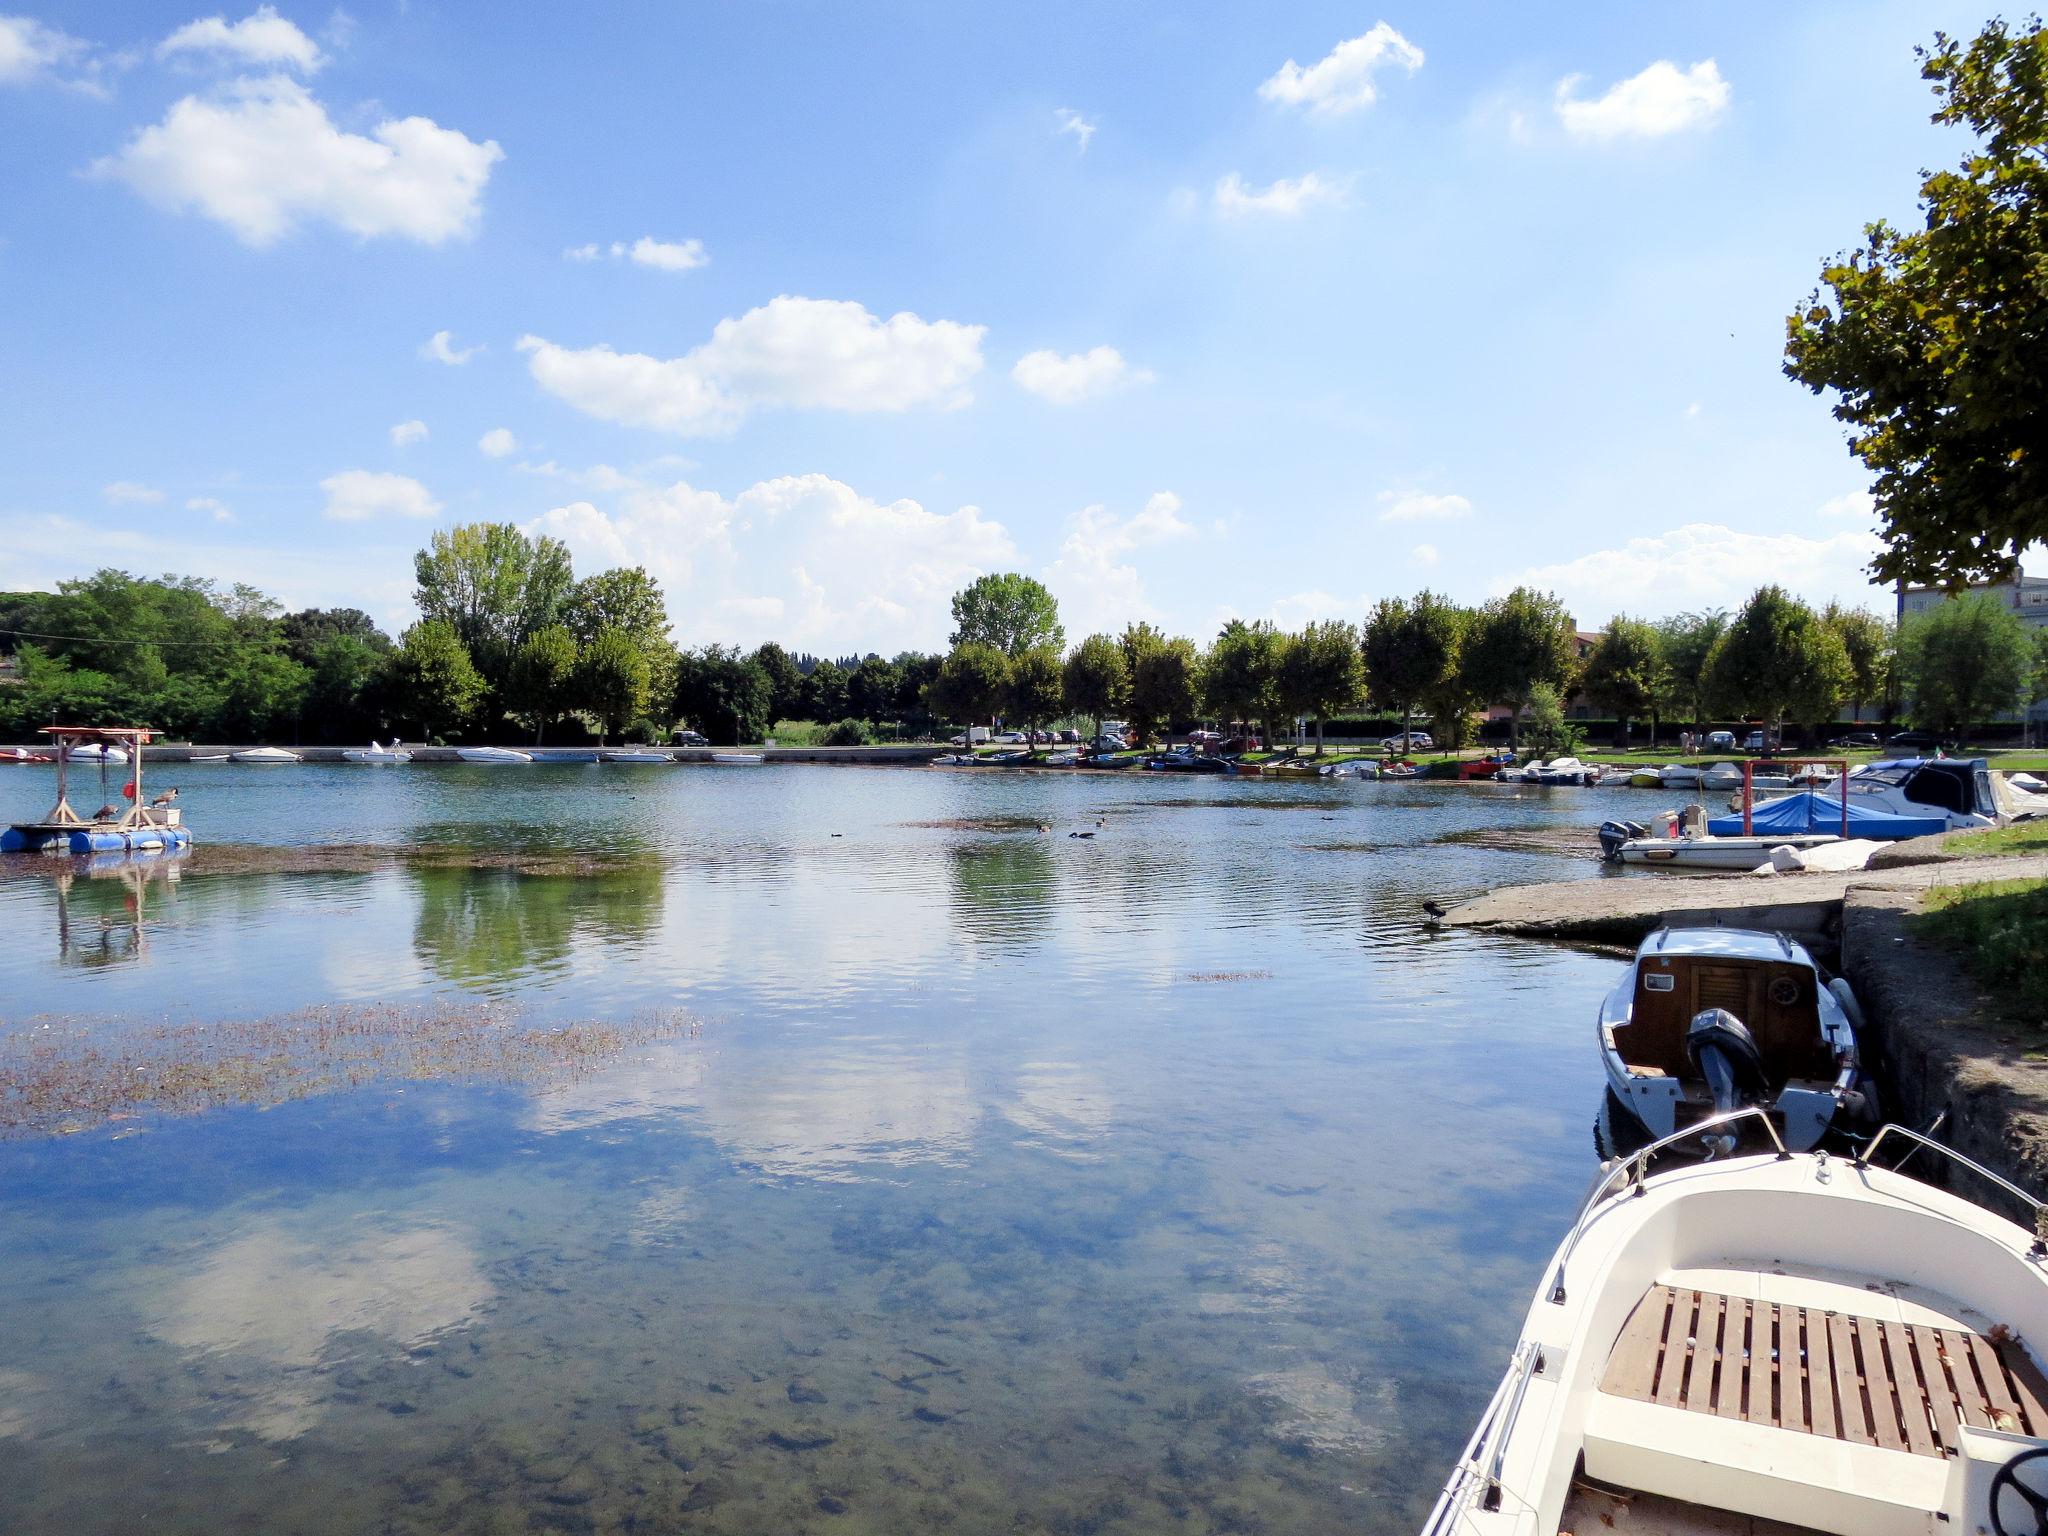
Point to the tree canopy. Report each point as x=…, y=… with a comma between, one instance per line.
x=1240, y=676
x=1964, y=661
x=1011, y=612
x=433, y=678
x=1164, y=678
x=545, y=681
x=1777, y=660
x=1411, y=648
x=1096, y=680
x=723, y=694
x=970, y=683
x=1934, y=341
x=1626, y=671
x=493, y=586
x=1515, y=643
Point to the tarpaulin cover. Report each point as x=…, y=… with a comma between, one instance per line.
x=1818, y=811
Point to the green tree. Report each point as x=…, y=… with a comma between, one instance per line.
x=871, y=689
x=430, y=678
x=825, y=693
x=626, y=599
x=915, y=671
x=1411, y=650
x=341, y=696
x=493, y=586
x=308, y=631
x=1626, y=673
x=1687, y=640
x=970, y=684
x=1032, y=692
x=1867, y=642
x=1240, y=675
x=1013, y=613
x=1322, y=672
x=725, y=695
x=544, y=684
x=611, y=681
x=1095, y=683
x=1935, y=340
x=1777, y=659
x=1549, y=731
x=1965, y=661
x=785, y=682
x=1516, y=643
x=1165, y=678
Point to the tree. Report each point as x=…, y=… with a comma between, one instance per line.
x=339, y=697
x=493, y=586
x=1165, y=675
x=611, y=681
x=725, y=695
x=1322, y=672
x=970, y=683
x=1013, y=613
x=1965, y=661
x=915, y=671
x=1031, y=695
x=785, y=682
x=825, y=693
x=544, y=683
x=871, y=689
x=1096, y=681
x=431, y=678
x=1867, y=641
x=1411, y=650
x=1548, y=729
x=1517, y=642
x=1935, y=340
x=1687, y=640
x=626, y=599
x=306, y=632
x=1776, y=659
x=1240, y=676
x=1626, y=674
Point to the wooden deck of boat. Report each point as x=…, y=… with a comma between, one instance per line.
x=1900, y=1386
x=1597, y=1512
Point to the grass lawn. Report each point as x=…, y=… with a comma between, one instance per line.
x=2000, y=930
x=2020, y=837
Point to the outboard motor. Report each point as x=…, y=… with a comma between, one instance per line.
x=1615, y=832
x=1722, y=1050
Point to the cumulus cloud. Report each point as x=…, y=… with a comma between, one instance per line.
x=1072, y=122
x=406, y=433
x=1663, y=99
x=498, y=443
x=1860, y=506
x=1093, y=577
x=440, y=348
x=130, y=493
x=1421, y=507
x=1283, y=198
x=261, y=156
x=662, y=255
x=816, y=353
x=31, y=51
x=1705, y=565
x=1423, y=555
x=1342, y=80
x=358, y=494
x=1069, y=380
x=220, y=511
x=263, y=38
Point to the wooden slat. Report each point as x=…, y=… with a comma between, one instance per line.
x=1728, y=1398
x=1879, y=1393
x=1767, y=1396
x=1940, y=1395
x=2028, y=1385
x=1632, y=1367
x=2005, y=1409
x=1909, y=1398
x=1849, y=1394
x=1671, y=1374
x=1703, y=1391
x=1963, y=1376
x=1820, y=1374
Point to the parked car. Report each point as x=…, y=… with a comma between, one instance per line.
x=1016, y=738
x=1756, y=741
x=1720, y=741
x=1070, y=735
x=1108, y=744
x=1913, y=739
x=692, y=739
x=1413, y=741
x=1857, y=739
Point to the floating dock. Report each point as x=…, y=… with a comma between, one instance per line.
x=139, y=828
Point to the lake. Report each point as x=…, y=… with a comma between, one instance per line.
x=1164, y=1179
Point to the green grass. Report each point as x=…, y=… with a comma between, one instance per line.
x=2020, y=837
x=1999, y=928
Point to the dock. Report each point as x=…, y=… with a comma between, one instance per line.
x=139, y=827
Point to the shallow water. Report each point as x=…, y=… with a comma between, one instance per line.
x=1165, y=1179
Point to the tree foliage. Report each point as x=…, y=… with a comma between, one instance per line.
x=1935, y=340
x=612, y=681
x=1165, y=679
x=1095, y=683
x=1868, y=643
x=1011, y=612
x=1241, y=674
x=1516, y=643
x=1411, y=649
x=1964, y=661
x=723, y=694
x=1322, y=672
x=544, y=684
x=1777, y=660
x=1032, y=693
x=785, y=682
x=493, y=586
x=1626, y=673
x=1687, y=640
x=970, y=683
x=434, y=683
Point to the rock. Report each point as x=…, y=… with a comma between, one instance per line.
x=801, y=1441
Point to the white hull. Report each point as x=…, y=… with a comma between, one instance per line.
x=1713, y=852
x=737, y=757
x=634, y=757
x=373, y=753
x=492, y=755
x=271, y=755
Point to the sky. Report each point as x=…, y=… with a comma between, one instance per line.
x=819, y=310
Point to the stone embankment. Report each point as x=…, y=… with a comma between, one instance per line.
x=182, y=753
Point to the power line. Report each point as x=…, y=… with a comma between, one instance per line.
x=30, y=634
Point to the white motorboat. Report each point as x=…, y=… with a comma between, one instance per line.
x=1814, y=1344
x=1561, y=770
x=1694, y=776
x=492, y=755
x=739, y=757
x=264, y=755
x=95, y=752
x=375, y=753
x=1361, y=768
x=1958, y=789
x=1709, y=852
x=1709, y=1020
x=633, y=755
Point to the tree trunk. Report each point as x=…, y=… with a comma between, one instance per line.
x=1319, y=735
x=1515, y=728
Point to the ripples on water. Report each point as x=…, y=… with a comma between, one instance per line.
x=1166, y=1179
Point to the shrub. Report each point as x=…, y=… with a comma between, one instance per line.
x=847, y=733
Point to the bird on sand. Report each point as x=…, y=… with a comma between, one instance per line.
x=166, y=797
x=1432, y=914
x=106, y=813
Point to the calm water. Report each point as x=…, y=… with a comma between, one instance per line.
x=1165, y=1180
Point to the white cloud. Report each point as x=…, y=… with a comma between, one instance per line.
x=1098, y=587
x=29, y=50
x=409, y=432
x=1298, y=609
x=129, y=492
x=1068, y=380
x=220, y=511
x=1082, y=128
x=1342, y=81
x=1421, y=507
x=818, y=353
x=1284, y=197
x=1423, y=554
x=440, y=348
x=261, y=156
x=498, y=443
x=662, y=255
x=1860, y=505
x=263, y=38
x=356, y=494
x=1704, y=565
x=1662, y=99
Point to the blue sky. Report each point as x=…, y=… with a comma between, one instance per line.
x=819, y=310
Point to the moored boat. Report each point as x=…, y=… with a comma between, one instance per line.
x=633, y=755
x=738, y=757
x=376, y=753
x=492, y=755
x=95, y=752
x=271, y=755
x=1734, y=852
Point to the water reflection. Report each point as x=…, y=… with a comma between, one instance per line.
x=485, y=928
x=1003, y=891
x=103, y=901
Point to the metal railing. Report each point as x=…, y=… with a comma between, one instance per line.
x=2040, y=1209
x=1492, y=1431
x=1636, y=1165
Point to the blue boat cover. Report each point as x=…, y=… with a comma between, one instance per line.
x=1818, y=811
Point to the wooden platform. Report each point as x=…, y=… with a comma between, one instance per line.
x=1899, y=1386
x=1593, y=1511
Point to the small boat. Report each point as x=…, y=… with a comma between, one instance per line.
x=1733, y=852
x=95, y=752
x=1561, y=770
x=569, y=755
x=2027, y=782
x=23, y=755
x=1110, y=760
x=1806, y=1342
x=1512, y=773
x=264, y=755
x=1359, y=768
x=211, y=757
x=1062, y=759
x=739, y=757
x=1956, y=790
x=492, y=755
x=1646, y=778
x=376, y=753
x=1399, y=771
x=1712, y=1020
x=633, y=755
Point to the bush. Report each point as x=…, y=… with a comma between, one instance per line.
x=847, y=733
